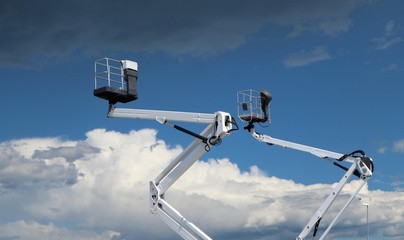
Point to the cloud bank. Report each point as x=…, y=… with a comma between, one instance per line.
x=97, y=188
x=47, y=29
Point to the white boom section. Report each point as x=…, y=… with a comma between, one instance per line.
x=330, y=199
x=219, y=126
x=169, y=175
x=357, y=163
x=315, y=151
x=162, y=116
x=353, y=195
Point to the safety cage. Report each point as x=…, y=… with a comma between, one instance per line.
x=253, y=106
x=115, y=80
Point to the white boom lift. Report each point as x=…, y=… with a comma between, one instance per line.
x=120, y=78
x=253, y=107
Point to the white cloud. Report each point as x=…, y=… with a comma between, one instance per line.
x=398, y=185
x=389, y=38
x=336, y=26
x=389, y=28
x=392, y=67
x=69, y=153
x=398, y=146
x=307, y=57
x=34, y=230
x=382, y=150
x=18, y=172
x=385, y=43
x=109, y=200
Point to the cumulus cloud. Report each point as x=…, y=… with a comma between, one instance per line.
x=34, y=230
x=109, y=197
x=69, y=153
x=18, y=172
x=43, y=29
x=307, y=57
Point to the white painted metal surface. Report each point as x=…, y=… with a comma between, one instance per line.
x=357, y=165
x=219, y=125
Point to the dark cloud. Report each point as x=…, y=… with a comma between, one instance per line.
x=52, y=29
x=69, y=153
x=17, y=172
x=9, y=237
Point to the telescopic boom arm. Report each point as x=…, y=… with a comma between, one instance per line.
x=219, y=125
x=361, y=166
x=254, y=108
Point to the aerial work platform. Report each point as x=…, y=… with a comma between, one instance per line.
x=115, y=80
x=253, y=106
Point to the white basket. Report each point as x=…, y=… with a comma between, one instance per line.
x=108, y=72
x=250, y=107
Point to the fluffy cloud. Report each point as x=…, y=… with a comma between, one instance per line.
x=69, y=153
x=109, y=197
x=35, y=230
x=18, y=172
x=44, y=29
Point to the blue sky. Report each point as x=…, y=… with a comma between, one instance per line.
x=334, y=68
